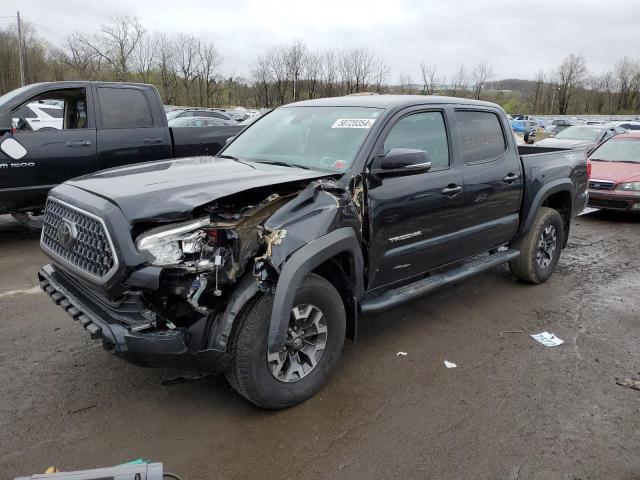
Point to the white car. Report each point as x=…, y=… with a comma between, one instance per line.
x=40, y=115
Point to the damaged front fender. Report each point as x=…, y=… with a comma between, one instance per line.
x=321, y=222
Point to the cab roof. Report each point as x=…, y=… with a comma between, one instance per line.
x=389, y=101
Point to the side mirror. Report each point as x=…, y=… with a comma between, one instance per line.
x=400, y=162
x=229, y=140
x=12, y=148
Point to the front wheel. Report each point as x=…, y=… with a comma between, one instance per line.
x=314, y=342
x=540, y=248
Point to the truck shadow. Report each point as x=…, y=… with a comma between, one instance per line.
x=11, y=231
x=613, y=216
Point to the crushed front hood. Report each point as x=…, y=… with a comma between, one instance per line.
x=171, y=189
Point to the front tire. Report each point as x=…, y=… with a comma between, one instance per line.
x=540, y=248
x=314, y=343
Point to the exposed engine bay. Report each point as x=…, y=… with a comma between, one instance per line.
x=203, y=258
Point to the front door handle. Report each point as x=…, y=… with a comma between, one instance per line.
x=452, y=190
x=511, y=177
x=152, y=140
x=81, y=143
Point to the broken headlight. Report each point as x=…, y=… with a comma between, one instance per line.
x=168, y=245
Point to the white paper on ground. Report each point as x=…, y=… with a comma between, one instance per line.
x=548, y=339
x=449, y=364
x=404, y=354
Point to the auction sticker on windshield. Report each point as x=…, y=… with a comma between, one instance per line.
x=353, y=123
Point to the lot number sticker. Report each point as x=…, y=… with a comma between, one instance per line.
x=353, y=123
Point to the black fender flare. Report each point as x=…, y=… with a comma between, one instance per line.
x=299, y=265
x=244, y=291
x=555, y=186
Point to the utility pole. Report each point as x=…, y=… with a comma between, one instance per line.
x=20, y=54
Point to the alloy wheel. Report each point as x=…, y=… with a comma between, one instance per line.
x=304, y=346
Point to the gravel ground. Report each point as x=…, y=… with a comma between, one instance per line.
x=512, y=409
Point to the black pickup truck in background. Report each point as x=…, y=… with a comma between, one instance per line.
x=103, y=125
x=258, y=262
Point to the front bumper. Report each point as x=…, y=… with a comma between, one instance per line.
x=116, y=328
x=614, y=200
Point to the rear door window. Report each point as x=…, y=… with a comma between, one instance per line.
x=124, y=108
x=482, y=136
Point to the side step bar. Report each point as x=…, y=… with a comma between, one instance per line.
x=416, y=289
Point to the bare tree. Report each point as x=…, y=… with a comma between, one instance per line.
x=568, y=76
x=536, y=91
x=429, y=72
x=209, y=60
x=115, y=43
x=165, y=66
x=460, y=82
x=379, y=73
x=294, y=55
x=261, y=74
x=627, y=75
x=187, y=48
x=406, y=84
x=82, y=58
x=144, y=58
x=313, y=73
x=480, y=75
x=329, y=72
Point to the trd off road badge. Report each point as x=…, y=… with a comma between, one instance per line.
x=406, y=236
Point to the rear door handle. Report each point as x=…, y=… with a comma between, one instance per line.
x=81, y=143
x=452, y=190
x=152, y=140
x=511, y=177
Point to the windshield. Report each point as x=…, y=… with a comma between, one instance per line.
x=580, y=133
x=173, y=114
x=618, y=150
x=320, y=138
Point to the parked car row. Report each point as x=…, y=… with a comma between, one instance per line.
x=233, y=116
x=614, y=183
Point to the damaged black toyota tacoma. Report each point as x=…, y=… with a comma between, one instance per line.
x=259, y=262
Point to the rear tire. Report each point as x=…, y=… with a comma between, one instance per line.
x=540, y=248
x=300, y=370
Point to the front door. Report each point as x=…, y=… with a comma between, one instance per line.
x=413, y=220
x=56, y=152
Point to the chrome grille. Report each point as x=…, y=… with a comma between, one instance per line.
x=601, y=184
x=79, y=240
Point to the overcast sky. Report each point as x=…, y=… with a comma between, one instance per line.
x=517, y=38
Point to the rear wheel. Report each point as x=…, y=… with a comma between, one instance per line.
x=540, y=249
x=315, y=337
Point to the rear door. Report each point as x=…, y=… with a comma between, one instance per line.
x=414, y=220
x=53, y=154
x=492, y=180
x=131, y=127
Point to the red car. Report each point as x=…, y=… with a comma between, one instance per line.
x=614, y=183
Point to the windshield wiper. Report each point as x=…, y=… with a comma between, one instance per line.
x=283, y=164
x=235, y=159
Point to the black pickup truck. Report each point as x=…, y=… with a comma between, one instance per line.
x=89, y=126
x=259, y=262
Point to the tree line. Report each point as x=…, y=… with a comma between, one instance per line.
x=187, y=70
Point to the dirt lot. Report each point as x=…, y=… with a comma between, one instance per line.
x=512, y=409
